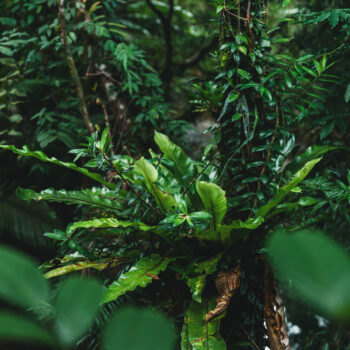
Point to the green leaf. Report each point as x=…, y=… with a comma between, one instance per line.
x=243, y=74
x=299, y=176
x=347, y=94
x=232, y=97
x=104, y=138
x=164, y=200
x=307, y=201
x=94, y=197
x=139, y=329
x=21, y=283
x=139, y=275
x=219, y=8
x=317, y=267
x=185, y=341
x=108, y=222
x=182, y=166
x=312, y=152
x=202, y=335
x=77, y=266
x=147, y=170
x=200, y=215
x=237, y=116
x=249, y=224
x=214, y=200
x=305, y=58
x=25, y=151
x=76, y=306
x=6, y=51
x=197, y=279
x=243, y=49
x=16, y=328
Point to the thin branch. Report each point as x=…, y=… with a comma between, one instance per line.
x=156, y=10
x=73, y=68
x=167, y=33
x=251, y=340
x=196, y=58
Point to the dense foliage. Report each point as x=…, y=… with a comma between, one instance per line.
x=107, y=91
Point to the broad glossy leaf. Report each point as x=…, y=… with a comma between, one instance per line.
x=78, y=266
x=202, y=335
x=76, y=305
x=18, y=329
x=139, y=275
x=139, y=329
x=25, y=151
x=311, y=153
x=21, y=282
x=94, y=197
x=214, y=200
x=182, y=166
x=164, y=200
x=299, y=176
x=198, y=278
x=107, y=222
x=200, y=215
x=317, y=268
x=147, y=170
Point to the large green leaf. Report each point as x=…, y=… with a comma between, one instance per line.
x=78, y=266
x=214, y=200
x=202, y=335
x=181, y=165
x=139, y=275
x=18, y=329
x=75, y=307
x=20, y=280
x=311, y=153
x=164, y=200
x=94, y=197
x=25, y=151
x=107, y=222
x=317, y=269
x=196, y=281
x=299, y=176
x=138, y=329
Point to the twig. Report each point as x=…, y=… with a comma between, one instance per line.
x=98, y=101
x=195, y=179
x=73, y=69
x=250, y=338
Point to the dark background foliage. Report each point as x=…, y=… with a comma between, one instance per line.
x=265, y=91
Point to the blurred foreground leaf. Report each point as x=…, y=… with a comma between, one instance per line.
x=17, y=328
x=76, y=306
x=135, y=329
x=21, y=282
x=317, y=267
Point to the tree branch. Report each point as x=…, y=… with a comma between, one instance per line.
x=196, y=58
x=73, y=68
x=167, y=33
